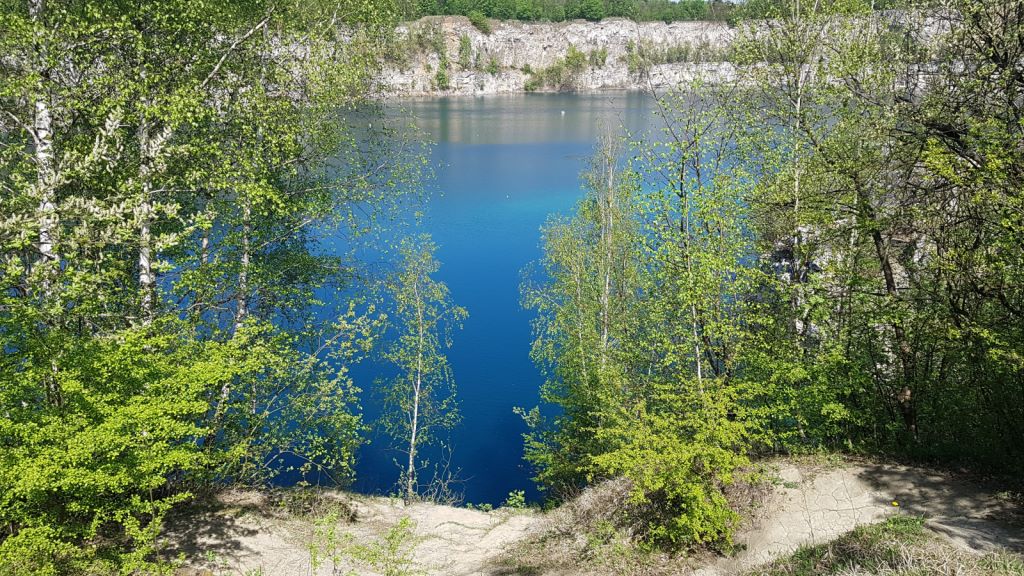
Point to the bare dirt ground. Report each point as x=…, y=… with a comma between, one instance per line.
x=812, y=505
x=243, y=533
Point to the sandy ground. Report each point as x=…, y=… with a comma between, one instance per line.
x=244, y=534
x=812, y=506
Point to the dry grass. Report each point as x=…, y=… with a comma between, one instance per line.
x=600, y=532
x=900, y=546
x=587, y=536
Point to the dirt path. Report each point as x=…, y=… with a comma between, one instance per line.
x=815, y=506
x=245, y=535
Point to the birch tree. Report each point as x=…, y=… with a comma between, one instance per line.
x=156, y=333
x=420, y=403
x=585, y=291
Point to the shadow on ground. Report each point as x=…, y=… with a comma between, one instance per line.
x=968, y=514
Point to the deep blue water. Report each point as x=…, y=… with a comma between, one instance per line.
x=502, y=165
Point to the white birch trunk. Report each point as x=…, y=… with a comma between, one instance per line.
x=147, y=279
x=242, y=298
x=46, y=169
x=410, y=473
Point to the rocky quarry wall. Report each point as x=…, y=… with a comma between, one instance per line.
x=517, y=56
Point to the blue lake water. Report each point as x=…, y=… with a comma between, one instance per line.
x=502, y=165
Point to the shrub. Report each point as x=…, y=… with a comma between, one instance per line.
x=84, y=483
x=492, y=67
x=562, y=75
x=391, y=554
x=575, y=60
x=516, y=500
x=434, y=38
x=465, y=51
x=441, y=81
x=479, y=21
x=678, y=464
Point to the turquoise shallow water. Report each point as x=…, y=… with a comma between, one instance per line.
x=503, y=164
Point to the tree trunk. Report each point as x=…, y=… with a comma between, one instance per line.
x=241, y=312
x=904, y=398
x=147, y=279
x=410, y=473
x=46, y=170
x=684, y=226
x=46, y=184
x=242, y=296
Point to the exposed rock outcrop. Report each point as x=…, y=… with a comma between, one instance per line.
x=619, y=54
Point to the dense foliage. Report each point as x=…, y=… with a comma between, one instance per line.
x=824, y=253
x=167, y=319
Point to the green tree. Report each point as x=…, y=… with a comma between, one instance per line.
x=420, y=401
x=861, y=201
x=645, y=320
x=163, y=168
x=584, y=291
x=699, y=416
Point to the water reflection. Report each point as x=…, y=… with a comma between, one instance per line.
x=526, y=118
x=503, y=165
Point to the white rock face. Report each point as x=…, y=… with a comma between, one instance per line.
x=518, y=45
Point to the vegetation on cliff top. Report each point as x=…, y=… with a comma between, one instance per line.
x=167, y=320
x=824, y=253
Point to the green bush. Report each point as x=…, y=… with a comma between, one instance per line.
x=92, y=469
x=516, y=500
x=562, y=75
x=465, y=52
x=635, y=63
x=479, y=20
x=493, y=67
x=575, y=60
x=678, y=463
x=441, y=81
x=391, y=554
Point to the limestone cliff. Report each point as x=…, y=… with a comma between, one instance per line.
x=449, y=56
